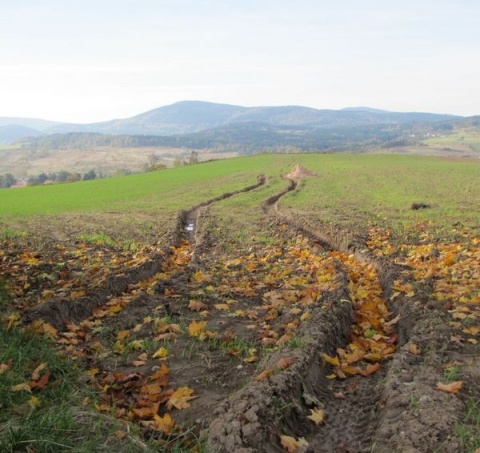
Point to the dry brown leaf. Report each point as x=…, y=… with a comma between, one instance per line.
x=284, y=362
x=3, y=367
x=40, y=383
x=264, y=374
x=197, y=305
x=372, y=368
x=453, y=387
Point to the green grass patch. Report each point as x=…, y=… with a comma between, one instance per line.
x=468, y=430
x=54, y=418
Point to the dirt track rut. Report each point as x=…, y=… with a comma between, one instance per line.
x=387, y=411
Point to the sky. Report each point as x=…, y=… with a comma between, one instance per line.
x=87, y=61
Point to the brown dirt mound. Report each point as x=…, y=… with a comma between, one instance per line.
x=300, y=172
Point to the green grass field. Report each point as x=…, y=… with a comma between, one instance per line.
x=370, y=185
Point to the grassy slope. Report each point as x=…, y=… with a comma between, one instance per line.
x=349, y=189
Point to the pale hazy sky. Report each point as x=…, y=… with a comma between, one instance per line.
x=86, y=61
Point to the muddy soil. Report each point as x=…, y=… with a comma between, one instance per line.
x=251, y=388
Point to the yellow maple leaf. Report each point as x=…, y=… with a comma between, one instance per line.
x=222, y=307
x=292, y=445
x=164, y=423
x=331, y=360
x=180, y=398
x=160, y=353
x=317, y=416
x=195, y=329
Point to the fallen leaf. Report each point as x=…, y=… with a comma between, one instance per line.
x=40, y=383
x=317, y=416
x=163, y=371
x=331, y=360
x=160, y=353
x=413, y=349
x=123, y=334
x=284, y=362
x=180, y=398
x=36, y=371
x=473, y=330
x=21, y=387
x=222, y=307
x=292, y=445
x=372, y=368
x=144, y=413
x=195, y=329
x=3, y=367
x=453, y=387
x=164, y=423
x=264, y=374
x=196, y=305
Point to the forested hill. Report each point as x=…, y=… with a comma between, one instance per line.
x=189, y=117
x=248, y=137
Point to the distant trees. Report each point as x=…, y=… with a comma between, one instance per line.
x=7, y=180
x=90, y=175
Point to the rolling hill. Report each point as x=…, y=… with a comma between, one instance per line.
x=188, y=117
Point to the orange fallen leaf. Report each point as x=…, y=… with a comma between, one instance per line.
x=292, y=445
x=3, y=367
x=180, y=398
x=453, y=387
x=284, y=362
x=151, y=389
x=40, y=383
x=265, y=374
x=123, y=334
x=317, y=416
x=163, y=371
x=144, y=413
x=222, y=307
x=372, y=368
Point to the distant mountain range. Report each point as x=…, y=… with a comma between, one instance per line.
x=192, y=117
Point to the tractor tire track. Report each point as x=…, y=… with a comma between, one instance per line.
x=58, y=312
x=363, y=414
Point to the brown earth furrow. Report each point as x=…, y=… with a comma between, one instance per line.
x=58, y=312
x=362, y=413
